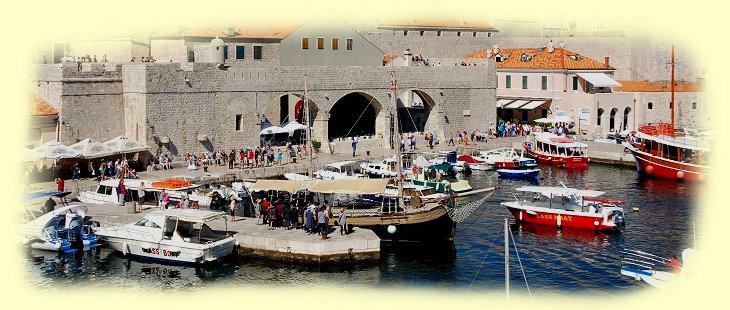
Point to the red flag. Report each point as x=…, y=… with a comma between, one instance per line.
x=298, y=109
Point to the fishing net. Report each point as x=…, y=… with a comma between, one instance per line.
x=459, y=213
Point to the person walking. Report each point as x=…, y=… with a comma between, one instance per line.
x=165, y=200
x=342, y=220
x=272, y=218
x=121, y=191
x=354, y=146
x=322, y=223
x=257, y=209
x=140, y=194
x=231, y=159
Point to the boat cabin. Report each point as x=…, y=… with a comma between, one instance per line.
x=662, y=142
x=548, y=143
x=183, y=225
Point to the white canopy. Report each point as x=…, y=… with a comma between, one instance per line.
x=532, y=104
x=293, y=126
x=503, y=102
x=92, y=149
x=549, y=191
x=599, y=79
x=515, y=104
x=123, y=145
x=555, y=119
x=55, y=150
x=268, y=129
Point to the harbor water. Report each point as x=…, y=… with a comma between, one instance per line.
x=553, y=261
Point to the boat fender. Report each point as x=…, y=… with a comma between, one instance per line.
x=391, y=229
x=520, y=216
x=680, y=174
x=595, y=223
x=125, y=248
x=559, y=220
x=649, y=169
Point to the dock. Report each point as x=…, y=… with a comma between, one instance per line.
x=258, y=242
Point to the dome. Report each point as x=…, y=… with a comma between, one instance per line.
x=216, y=42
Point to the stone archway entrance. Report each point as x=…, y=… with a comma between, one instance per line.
x=284, y=109
x=414, y=112
x=353, y=115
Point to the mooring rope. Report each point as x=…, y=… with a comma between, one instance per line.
x=520, y=261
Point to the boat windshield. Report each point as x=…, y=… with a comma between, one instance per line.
x=146, y=223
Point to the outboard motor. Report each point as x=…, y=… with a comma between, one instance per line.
x=75, y=236
x=618, y=218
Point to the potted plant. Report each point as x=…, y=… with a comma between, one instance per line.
x=316, y=145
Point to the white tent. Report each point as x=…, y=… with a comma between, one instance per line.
x=55, y=150
x=269, y=129
x=123, y=145
x=556, y=119
x=92, y=149
x=293, y=126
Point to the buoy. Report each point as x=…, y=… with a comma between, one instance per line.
x=391, y=229
x=636, y=209
x=680, y=174
x=649, y=169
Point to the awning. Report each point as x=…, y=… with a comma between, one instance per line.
x=599, y=79
x=279, y=185
x=533, y=104
x=503, y=102
x=516, y=104
x=355, y=186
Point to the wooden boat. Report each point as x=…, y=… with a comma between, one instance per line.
x=567, y=207
x=552, y=149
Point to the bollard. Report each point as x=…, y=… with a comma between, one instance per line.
x=131, y=207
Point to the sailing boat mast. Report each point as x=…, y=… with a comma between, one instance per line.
x=310, y=170
x=671, y=87
x=396, y=135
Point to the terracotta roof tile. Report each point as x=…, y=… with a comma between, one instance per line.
x=560, y=58
x=646, y=86
x=41, y=108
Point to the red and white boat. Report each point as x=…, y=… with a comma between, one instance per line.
x=663, y=152
x=552, y=149
x=567, y=207
x=660, y=151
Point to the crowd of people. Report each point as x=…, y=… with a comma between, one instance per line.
x=243, y=158
x=288, y=214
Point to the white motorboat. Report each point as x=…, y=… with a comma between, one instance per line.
x=106, y=191
x=176, y=235
x=384, y=169
x=342, y=170
x=60, y=229
x=641, y=266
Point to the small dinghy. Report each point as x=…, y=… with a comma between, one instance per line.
x=518, y=173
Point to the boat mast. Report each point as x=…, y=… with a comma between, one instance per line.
x=396, y=135
x=671, y=87
x=506, y=258
x=310, y=170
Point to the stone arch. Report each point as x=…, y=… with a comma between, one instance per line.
x=354, y=114
x=283, y=109
x=627, y=112
x=600, y=115
x=612, y=120
x=415, y=108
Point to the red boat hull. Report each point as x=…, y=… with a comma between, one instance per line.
x=506, y=164
x=668, y=169
x=470, y=159
x=566, y=221
x=557, y=160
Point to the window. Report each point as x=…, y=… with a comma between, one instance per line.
x=600, y=115
x=694, y=105
x=240, y=51
x=305, y=43
x=524, y=82
x=349, y=44
x=239, y=118
x=575, y=83
x=544, y=113
x=335, y=44
x=544, y=82
x=225, y=52
x=438, y=33
x=508, y=82
x=649, y=105
x=421, y=32
x=474, y=33
x=320, y=43
x=489, y=34
x=458, y=33
x=405, y=32
x=257, y=51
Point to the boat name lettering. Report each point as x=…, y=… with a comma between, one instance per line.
x=163, y=252
x=555, y=217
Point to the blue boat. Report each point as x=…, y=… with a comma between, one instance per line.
x=519, y=173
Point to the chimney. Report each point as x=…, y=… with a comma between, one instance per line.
x=496, y=49
x=605, y=62
x=229, y=31
x=551, y=47
x=408, y=56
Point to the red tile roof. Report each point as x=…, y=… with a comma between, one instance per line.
x=560, y=58
x=41, y=108
x=239, y=32
x=646, y=86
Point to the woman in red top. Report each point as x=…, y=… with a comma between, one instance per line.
x=265, y=207
x=250, y=158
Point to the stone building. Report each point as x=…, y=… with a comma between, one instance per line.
x=651, y=101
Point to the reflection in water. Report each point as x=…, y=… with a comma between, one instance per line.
x=555, y=261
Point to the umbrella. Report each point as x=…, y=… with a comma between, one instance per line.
x=293, y=126
x=271, y=129
x=123, y=145
x=55, y=150
x=92, y=149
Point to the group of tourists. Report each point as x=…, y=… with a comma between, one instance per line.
x=118, y=168
x=289, y=214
